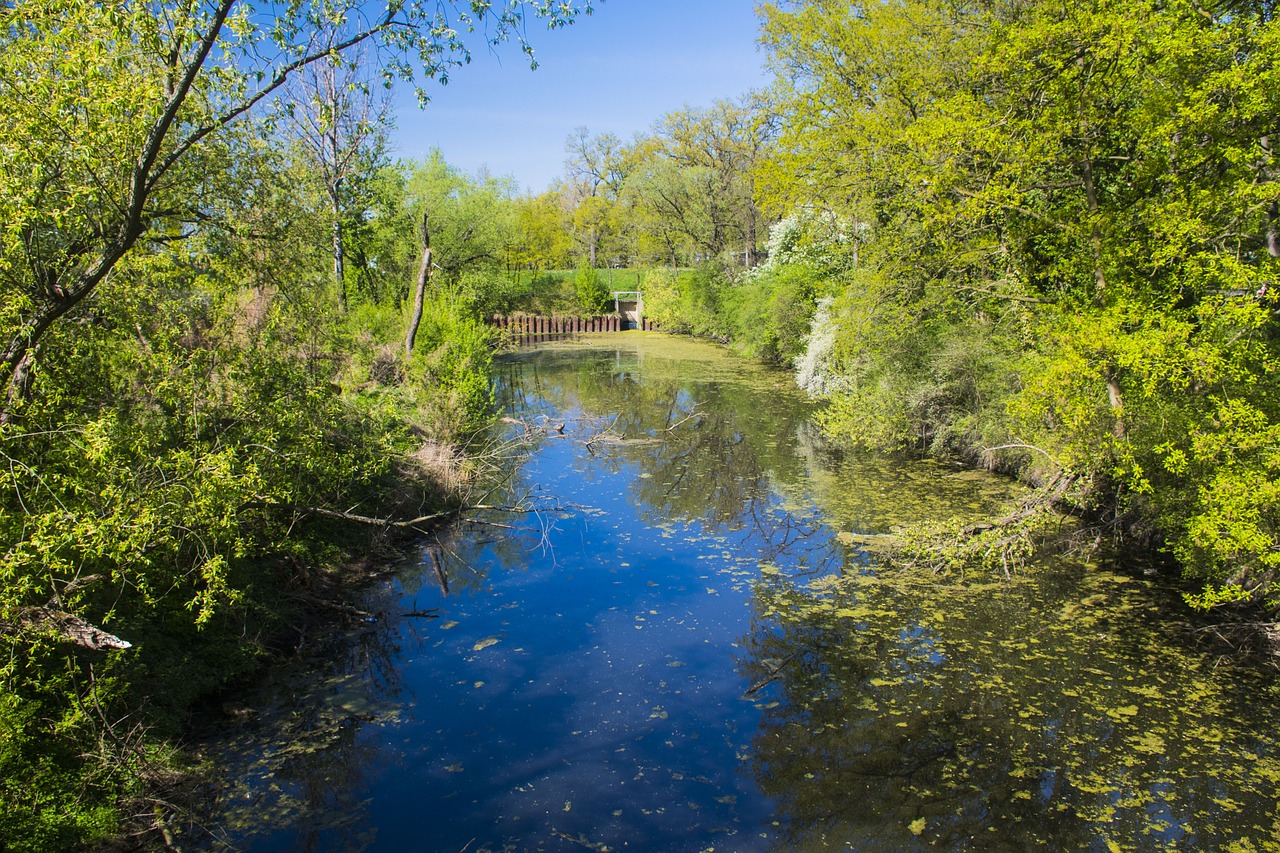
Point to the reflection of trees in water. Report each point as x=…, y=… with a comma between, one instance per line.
x=301, y=762
x=709, y=450
x=909, y=714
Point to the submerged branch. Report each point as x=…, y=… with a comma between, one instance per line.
x=413, y=524
x=1006, y=542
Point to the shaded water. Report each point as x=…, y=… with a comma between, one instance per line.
x=679, y=654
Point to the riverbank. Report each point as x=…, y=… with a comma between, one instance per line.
x=686, y=653
x=188, y=507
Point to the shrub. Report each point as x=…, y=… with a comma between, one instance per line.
x=593, y=295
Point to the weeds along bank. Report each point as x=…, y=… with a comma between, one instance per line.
x=162, y=528
x=1154, y=425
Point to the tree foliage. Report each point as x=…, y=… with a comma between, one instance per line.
x=180, y=401
x=1074, y=219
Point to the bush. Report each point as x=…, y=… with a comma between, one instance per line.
x=593, y=295
x=483, y=293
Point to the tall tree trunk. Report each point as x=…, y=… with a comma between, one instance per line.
x=1114, y=398
x=1273, y=235
x=420, y=293
x=20, y=385
x=339, y=260
x=1118, y=428
x=335, y=201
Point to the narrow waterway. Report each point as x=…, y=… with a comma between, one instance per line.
x=684, y=650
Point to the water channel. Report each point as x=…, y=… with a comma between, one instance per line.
x=684, y=650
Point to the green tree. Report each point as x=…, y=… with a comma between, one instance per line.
x=542, y=241
x=1074, y=244
x=596, y=169
x=472, y=220
x=593, y=294
x=696, y=182
x=83, y=183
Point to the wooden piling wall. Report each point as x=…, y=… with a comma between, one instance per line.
x=521, y=325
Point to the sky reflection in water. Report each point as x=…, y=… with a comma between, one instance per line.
x=682, y=656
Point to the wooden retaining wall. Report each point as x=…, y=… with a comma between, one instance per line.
x=528, y=324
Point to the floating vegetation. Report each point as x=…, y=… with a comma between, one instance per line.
x=697, y=660
x=1063, y=709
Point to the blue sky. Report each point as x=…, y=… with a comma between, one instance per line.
x=618, y=70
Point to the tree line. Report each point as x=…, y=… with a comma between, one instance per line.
x=1041, y=238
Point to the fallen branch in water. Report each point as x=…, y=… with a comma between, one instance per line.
x=323, y=512
x=438, y=567
x=772, y=676
x=411, y=523
x=483, y=523
x=1005, y=542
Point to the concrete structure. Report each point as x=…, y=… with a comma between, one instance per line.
x=630, y=307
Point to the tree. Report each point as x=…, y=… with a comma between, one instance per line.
x=471, y=218
x=1074, y=247
x=420, y=288
x=342, y=125
x=596, y=169
x=542, y=241
x=593, y=294
x=116, y=116
x=698, y=179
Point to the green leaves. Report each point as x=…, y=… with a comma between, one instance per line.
x=1074, y=242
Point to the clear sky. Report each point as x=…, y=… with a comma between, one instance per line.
x=618, y=70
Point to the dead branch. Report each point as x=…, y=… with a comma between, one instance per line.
x=772, y=676
x=694, y=414
x=350, y=516
x=67, y=625
x=438, y=566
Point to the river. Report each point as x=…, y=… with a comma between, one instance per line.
x=684, y=649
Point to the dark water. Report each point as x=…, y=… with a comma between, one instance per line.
x=678, y=652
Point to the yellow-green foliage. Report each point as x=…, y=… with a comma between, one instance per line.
x=449, y=372
x=1073, y=210
x=593, y=295
x=154, y=487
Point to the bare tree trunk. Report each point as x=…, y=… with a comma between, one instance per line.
x=339, y=260
x=1273, y=236
x=19, y=385
x=1273, y=209
x=1118, y=429
x=420, y=293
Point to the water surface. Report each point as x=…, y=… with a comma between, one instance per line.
x=679, y=652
